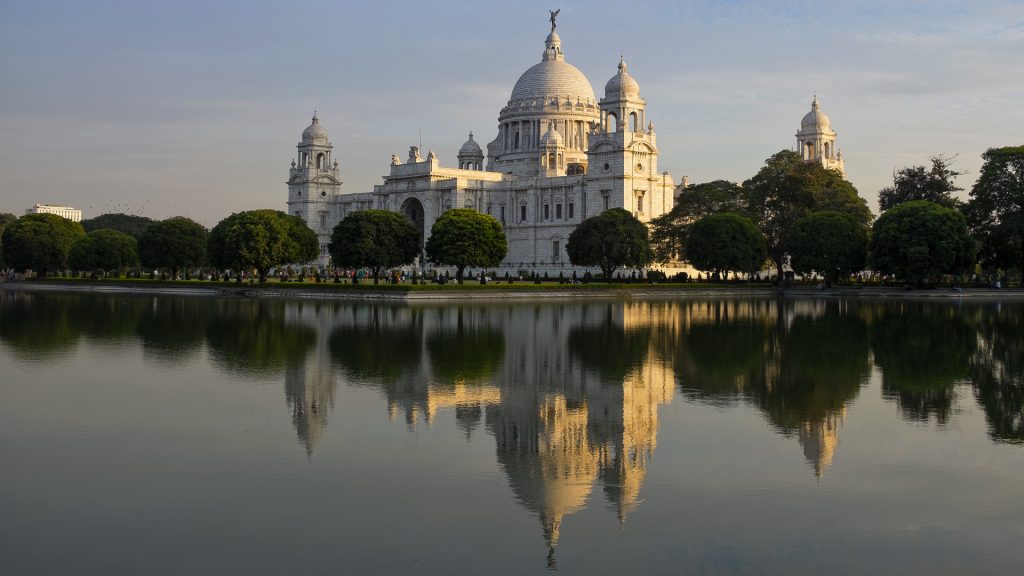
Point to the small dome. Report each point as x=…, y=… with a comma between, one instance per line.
x=471, y=148
x=551, y=138
x=622, y=85
x=314, y=133
x=815, y=119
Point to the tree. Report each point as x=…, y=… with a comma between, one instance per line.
x=463, y=237
x=174, y=243
x=610, y=240
x=996, y=208
x=670, y=231
x=106, y=250
x=786, y=189
x=40, y=242
x=830, y=243
x=259, y=239
x=725, y=242
x=921, y=241
x=304, y=246
x=132, y=225
x=921, y=183
x=374, y=239
x=5, y=219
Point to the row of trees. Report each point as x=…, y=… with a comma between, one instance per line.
x=811, y=218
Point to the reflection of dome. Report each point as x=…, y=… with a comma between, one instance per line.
x=815, y=119
x=622, y=85
x=471, y=148
x=553, y=77
x=315, y=133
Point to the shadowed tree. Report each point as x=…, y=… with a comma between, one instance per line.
x=374, y=239
x=935, y=184
x=174, y=244
x=670, y=231
x=829, y=243
x=40, y=242
x=104, y=250
x=725, y=242
x=996, y=208
x=920, y=241
x=610, y=240
x=133, y=226
x=261, y=239
x=463, y=237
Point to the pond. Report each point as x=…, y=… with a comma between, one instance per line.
x=172, y=435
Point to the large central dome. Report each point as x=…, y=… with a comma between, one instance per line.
x=553, y=76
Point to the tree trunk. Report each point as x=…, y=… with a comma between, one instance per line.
x=263, y=275
x=376, y=276
x=458, y=274
x=782, y=274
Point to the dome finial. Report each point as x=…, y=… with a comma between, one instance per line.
x=622, y=63
x=316, y=119
x=814, y=103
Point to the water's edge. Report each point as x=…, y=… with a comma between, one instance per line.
x=639, y=292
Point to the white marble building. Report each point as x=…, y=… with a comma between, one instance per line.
x=561, y=155
x=73, y=214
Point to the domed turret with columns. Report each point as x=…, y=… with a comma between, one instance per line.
x=816, y=141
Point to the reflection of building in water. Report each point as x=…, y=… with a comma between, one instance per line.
x=309, y=385
x=559, y=429
x=819, y=440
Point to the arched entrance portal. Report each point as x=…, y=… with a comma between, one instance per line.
x=413, y=210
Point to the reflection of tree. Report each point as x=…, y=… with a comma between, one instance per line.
x=717, y=359
x=380, y=348
x=253, y=337
x=923, y=350
x=998, y=371
x=609, y=349
x=817, y=365
x=465, y=353
x=172, y=328
x=38, y=326
x=108, y=318
x=799, y=362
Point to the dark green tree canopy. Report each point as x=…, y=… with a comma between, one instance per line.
x=829, y=243
x=260, y=239
x=463, y=237
x=107, y=250
x=40, y=242
x=921, y=241
x=786, y=189
x=921, y=183
x=725, y=242
x=374, y=239
x=131, y=225
x=610, y=240
x=996, y=208
x=174, y=244
x=670, y=231
x=5, y=219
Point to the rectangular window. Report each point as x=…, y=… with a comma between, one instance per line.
x=522, y=213
x=502, y=209
x=571, y=206
x=640, y=203
x=547, y=212
x=555, y=252
x=323, y=220
x=558, y=211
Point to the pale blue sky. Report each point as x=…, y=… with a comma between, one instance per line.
x=195, y=107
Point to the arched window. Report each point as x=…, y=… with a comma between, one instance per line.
x=516, y=144
x=305, y=159
x=633, y=121
x=828, y=150
x=320, y=161
x=613, y=123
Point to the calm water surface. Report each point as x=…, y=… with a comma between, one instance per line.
x=166, y=435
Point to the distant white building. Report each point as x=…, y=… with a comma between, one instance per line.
x=73, y=214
